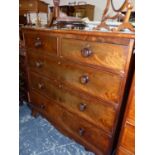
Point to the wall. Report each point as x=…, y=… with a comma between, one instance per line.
x=99, y=6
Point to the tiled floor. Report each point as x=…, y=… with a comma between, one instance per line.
x=39, y=137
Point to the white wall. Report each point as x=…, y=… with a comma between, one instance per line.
x=99, y=7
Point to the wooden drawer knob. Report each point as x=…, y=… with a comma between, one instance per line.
x=40, y=85
x=39, y=64
x=42, y=106
x=59, y=62
x=60, y=86
x=82, y=107
x=84, y=79
x=86, y=52
x=38, y=42
x=81, y=131
x=30, y=5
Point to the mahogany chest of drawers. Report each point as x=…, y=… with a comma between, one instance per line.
x=77, y=81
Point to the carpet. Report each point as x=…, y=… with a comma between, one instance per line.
x=38, y=137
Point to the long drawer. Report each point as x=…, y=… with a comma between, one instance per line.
x=41, y=42
x=98, y=113
x=107, y=55
x=81, y=130
x=98, y=83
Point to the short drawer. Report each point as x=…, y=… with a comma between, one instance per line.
x=98, y=113
x=107, y=55
x=74, y=126
x=41, y=42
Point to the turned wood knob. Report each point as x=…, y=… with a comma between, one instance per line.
x=81, y=131
x=39, y=64
x=84, y=79
x=42, y=106
x=86, y=52
x=38, y=42
x=82, y=106
x=40, y=85
x=30, y=5
x=60, y=86
x=59, y=62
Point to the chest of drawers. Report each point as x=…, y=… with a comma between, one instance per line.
x=77, y=81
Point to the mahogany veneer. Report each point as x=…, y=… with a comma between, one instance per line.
x=77, y=80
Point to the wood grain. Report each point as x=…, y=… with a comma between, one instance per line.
x=96, y=112
x=108, y=55
x=80, y=93
x=113, y=37
x=48, y=42
x=91, y=136
x=108, y=89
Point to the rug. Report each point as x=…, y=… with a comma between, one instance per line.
x=38, y=137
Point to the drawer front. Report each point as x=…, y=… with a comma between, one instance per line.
x=128, y=138
x=74, y=126
x=101, y=54
x=98, y=113
x=97, y=83
x=86, y=132
x=41, y=42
